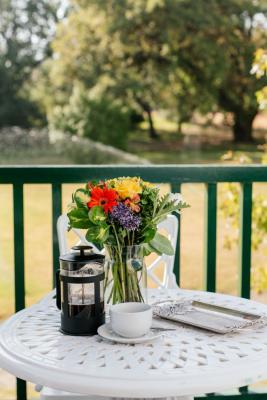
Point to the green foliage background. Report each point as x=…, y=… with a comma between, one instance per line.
x=180, y=56
x=98, y=119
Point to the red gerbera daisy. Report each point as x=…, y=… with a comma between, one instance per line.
x=104, y=197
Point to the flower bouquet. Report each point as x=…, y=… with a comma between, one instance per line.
x=122, y=214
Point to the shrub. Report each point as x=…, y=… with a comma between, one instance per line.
x=101, y=119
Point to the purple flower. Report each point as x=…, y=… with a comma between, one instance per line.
x=123, y=215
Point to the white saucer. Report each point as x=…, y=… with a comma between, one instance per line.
x=106, y=332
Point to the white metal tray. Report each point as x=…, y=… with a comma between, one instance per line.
x=207, y=316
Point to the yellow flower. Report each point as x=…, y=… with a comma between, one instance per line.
x=127, y=187
x=148, y=185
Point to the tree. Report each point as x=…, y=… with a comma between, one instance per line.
x=26, y=29
x=95, y=54
x=216, y=48
x=165, y=54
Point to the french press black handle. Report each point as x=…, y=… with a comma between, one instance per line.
x=58, y=290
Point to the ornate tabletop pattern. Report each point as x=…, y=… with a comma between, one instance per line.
x=187, y=360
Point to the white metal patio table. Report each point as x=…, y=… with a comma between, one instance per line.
x=184, y=362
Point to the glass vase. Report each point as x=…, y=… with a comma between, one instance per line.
x=126, y=274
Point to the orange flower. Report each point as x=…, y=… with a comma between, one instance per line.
x=133, y=203
x=103, y=197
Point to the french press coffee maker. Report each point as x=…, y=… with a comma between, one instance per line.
x=80, y=291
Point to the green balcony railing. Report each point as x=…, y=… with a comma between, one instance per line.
x=176, y=176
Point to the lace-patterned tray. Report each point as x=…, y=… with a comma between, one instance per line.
x=207, y=316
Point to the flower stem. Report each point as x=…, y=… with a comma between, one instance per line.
x=121, y=263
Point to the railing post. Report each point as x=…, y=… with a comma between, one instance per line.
x=245, y=239
x=57, y=210
x=210, y=233
x=19, y=265
x=176, y=188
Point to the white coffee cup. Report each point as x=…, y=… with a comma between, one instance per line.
x=131, y=320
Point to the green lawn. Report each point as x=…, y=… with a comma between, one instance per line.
x=199, y=143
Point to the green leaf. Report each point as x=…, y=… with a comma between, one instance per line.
x=79, y=218
x=161, y=245
x=97, y=215
x=147, y=249
x=93, y=182
x=167, y=209
x=81, y=197
x=97, y=233
x=148, y=234
x=182, y=204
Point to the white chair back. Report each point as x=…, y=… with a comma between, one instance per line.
x=62, y=230
x=169, y=226
x=168, y=281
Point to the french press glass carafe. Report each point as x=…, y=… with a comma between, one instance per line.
x=80, y=291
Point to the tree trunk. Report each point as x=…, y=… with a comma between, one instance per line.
x=147, y=109
x=152, y=131
x=242, y=128
x=181, y=121
x=180, y=131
